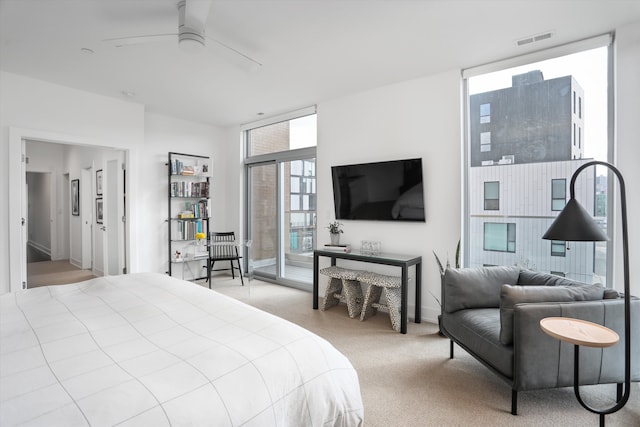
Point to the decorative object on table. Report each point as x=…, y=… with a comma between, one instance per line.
x=338, y=248
x=99, y=211
x=99, y=182
x=574, y=223
x=370, y=247
x=335, y=229
x=75, y=197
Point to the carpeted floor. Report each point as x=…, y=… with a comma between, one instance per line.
x=409, y=380
x=61, y=272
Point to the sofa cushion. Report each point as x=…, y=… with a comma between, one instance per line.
x=512, y=295
x=478, y=332
x=476, y=287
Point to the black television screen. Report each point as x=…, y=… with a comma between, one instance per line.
x=385, y=191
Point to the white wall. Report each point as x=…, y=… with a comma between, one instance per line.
x=42, y=111
x=417, y=118
x=164, y=134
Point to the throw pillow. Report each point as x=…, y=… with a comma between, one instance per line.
x=512, y=295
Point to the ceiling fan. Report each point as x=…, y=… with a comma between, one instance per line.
x=192, y=17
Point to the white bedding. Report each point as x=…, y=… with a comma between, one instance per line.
x=149, y=350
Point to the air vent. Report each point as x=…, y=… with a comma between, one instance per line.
x=534, y=38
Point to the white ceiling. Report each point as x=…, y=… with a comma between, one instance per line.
x=311, y=50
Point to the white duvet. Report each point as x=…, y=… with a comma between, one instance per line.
x=150, y=350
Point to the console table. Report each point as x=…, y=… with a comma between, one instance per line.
x=402, y=261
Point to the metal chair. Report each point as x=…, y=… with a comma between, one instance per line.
x=223, y=247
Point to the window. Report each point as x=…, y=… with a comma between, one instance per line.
x=485, y=141
x=558, y=273
x=280, y=197
x=499, y=237
x=580, y=107
x=492, y=196
x=485, y=113
x=523, y=96
x=282, y=136
x=558, y=248
x=558, y=194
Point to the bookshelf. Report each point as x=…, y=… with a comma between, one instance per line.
x=189, y=211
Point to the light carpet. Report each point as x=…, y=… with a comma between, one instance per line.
x=61, y=272
x=409, y=380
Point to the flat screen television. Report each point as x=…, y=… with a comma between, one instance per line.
x=384, y=191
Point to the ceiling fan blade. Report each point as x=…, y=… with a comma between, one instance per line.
x=153, y=38
x=246, y=59
x=196, y=13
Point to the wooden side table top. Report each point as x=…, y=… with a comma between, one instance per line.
x=579, y=332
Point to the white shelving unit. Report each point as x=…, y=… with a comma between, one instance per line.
x=189, y=186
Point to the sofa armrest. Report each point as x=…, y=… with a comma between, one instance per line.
x=541, y=361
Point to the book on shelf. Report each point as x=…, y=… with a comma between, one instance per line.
x=338, y=248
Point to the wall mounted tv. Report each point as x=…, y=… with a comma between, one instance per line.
x=384, y=191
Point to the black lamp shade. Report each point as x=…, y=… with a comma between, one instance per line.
x=575, y=224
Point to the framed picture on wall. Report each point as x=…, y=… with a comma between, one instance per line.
x=75, y=197
x=99, y=182
x=99, y=210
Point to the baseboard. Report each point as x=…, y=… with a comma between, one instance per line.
x=40, y=248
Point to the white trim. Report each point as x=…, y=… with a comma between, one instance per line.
x=279, y=118
x=540, y=55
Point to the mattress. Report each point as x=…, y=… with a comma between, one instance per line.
x=150, y=350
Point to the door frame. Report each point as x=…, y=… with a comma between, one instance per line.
x=17, y=180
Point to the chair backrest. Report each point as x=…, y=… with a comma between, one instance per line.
x=222, y=237
x=222, y=245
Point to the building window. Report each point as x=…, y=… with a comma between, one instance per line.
x=485, y=142
x=580, y=107
x=499, y=237
x=574, y=102
x=485, y=113
x=492, y=196
x=558, y=273
x=558, y=194
x=558, y=248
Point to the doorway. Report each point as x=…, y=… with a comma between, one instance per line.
x=70, y=254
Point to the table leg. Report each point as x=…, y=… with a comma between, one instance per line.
x=403, y=296
x=418, y=318
x=315, y=281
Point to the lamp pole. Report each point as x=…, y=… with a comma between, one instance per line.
x=575, y=224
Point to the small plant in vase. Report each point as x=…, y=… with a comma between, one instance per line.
x=335, y=229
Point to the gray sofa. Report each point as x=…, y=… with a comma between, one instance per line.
x=493, y=313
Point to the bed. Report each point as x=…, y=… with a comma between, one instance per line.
x=150, y=350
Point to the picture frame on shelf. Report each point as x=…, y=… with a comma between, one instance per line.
x=99, y=182
x=75, y=197
x=99, y=210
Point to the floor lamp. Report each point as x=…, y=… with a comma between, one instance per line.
x=574, y=223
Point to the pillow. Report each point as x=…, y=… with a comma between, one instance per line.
x=512, y=295
x=476, y=287
x=536, y=278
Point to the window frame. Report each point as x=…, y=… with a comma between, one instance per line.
x=510, y=231
x=497, y=208
x=605, y=40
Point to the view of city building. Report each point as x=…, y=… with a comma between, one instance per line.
x=526, y=141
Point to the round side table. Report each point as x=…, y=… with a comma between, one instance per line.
x=580, y=332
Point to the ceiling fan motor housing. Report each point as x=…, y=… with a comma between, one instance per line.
x=189, y=38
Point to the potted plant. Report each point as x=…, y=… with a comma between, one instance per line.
x=335, y=229
x=443, y=269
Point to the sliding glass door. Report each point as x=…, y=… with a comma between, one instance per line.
x=281, y=201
